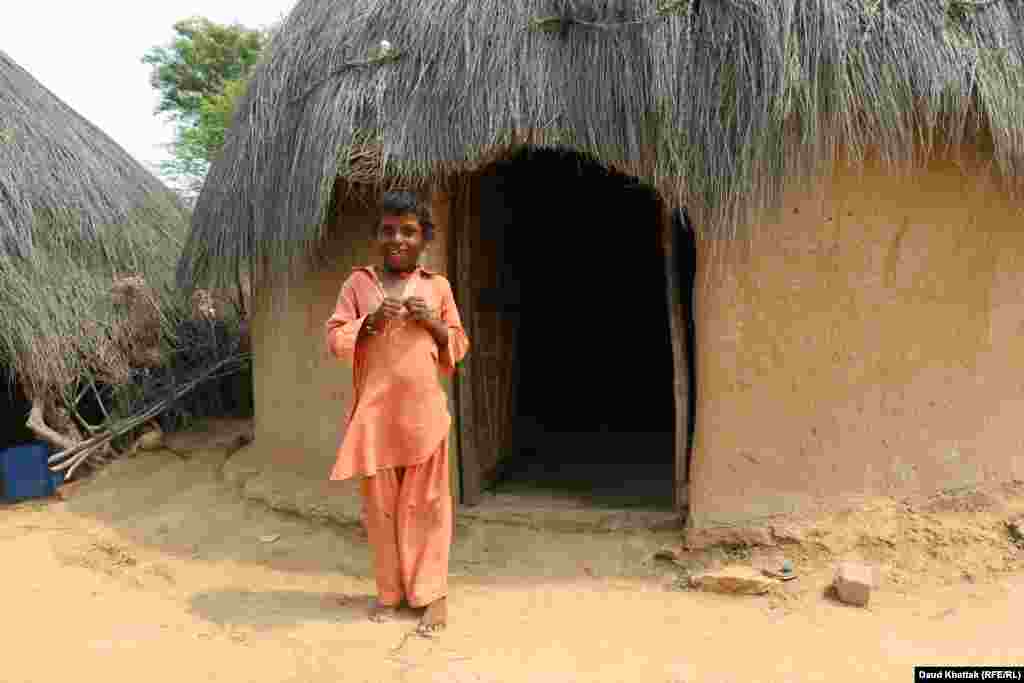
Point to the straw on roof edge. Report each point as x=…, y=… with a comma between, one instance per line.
x=76, y=211
x=717, y=104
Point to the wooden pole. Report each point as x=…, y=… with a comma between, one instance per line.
x=680, y=379
x=463, y=225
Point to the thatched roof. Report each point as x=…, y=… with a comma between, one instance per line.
x=715, y=102
x=75, y=212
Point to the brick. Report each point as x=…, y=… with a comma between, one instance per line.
x=854, y=582
x=733, y=580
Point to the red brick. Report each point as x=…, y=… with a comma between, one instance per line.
x=854, y=582
x=735, y=580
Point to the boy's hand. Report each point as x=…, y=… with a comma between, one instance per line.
x=419, y=310
x=390, y=309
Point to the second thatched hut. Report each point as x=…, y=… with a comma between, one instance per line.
x=88, y=243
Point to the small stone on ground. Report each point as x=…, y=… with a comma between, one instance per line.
x=854, y=582
x=151, y=440
x=734, y=581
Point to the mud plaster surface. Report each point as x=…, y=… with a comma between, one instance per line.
x=859, y=345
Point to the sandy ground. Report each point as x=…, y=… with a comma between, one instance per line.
x=156, y=570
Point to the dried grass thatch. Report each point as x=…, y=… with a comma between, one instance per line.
x=715, y=103
x=79, y=218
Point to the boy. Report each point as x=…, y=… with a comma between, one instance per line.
x=398, y=325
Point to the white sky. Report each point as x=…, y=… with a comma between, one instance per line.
x=89, y=52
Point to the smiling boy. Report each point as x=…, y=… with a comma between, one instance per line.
x=398, y=325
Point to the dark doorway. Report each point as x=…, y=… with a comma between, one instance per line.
x=582, y=274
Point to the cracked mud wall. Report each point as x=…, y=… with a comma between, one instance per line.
x=301, y=393
x=867, y=341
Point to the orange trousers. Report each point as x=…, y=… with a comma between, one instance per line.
x=407, y=512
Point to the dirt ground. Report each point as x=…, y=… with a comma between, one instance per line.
x=156, y=569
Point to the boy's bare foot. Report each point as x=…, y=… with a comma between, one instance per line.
x=434, y=618
x=382, y=613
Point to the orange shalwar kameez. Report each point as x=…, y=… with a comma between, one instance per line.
x=396, y=437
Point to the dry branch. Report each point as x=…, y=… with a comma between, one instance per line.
x=38, y=425
x=71, y=458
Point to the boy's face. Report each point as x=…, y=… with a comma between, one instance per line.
x=401, y=241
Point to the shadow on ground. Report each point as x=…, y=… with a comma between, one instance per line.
x=264, y=610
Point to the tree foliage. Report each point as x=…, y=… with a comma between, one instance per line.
x=199, y=75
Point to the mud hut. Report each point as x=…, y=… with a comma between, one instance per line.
x=88, y=243
x=767, y=255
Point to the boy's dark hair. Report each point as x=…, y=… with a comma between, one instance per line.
x=401, y=203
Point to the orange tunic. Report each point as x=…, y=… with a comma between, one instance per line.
x=399, y=415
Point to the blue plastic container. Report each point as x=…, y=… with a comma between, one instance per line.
x=25, y=474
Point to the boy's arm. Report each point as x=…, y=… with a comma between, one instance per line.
x=346, y=326
x=458, y=343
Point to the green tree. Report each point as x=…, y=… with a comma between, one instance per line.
x=200, y=74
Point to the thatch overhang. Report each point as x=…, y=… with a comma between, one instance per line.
x=716, y=103
x=76, y=212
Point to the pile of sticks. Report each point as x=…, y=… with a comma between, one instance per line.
x=98, y=450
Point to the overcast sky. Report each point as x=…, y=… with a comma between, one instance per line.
x=89, y=54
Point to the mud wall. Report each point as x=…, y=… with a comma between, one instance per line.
x=867, y=341
x=302, y=394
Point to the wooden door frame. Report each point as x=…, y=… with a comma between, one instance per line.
x=463, y=208
x=677, y=310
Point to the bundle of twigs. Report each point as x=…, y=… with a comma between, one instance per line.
x=198, y=344
x=97, y=449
